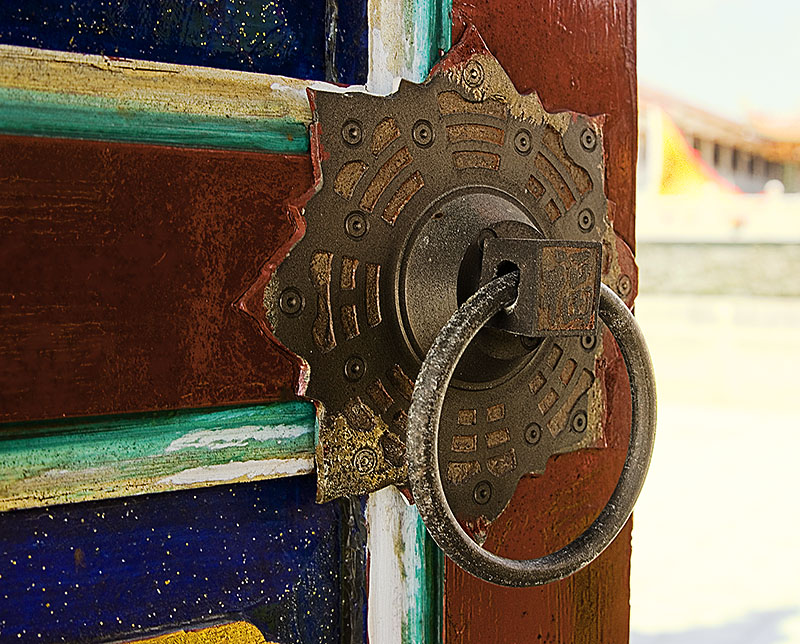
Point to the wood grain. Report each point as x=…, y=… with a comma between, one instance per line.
x=578, y=56
x=119, y=267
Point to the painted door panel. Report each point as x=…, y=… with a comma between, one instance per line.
x=122, y=263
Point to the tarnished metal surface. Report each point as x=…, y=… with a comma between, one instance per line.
x=427, y=480
x=410, y=186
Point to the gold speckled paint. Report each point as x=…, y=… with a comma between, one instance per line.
x=235, y=632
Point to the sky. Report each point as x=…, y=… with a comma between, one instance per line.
x=727, y=56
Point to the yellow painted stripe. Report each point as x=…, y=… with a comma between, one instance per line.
x=235, y=632
x=160, y=87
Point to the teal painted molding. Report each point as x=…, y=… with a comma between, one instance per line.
x=76, y=460
x=35, y=113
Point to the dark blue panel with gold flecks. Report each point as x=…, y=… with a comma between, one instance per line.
x=314, y=39
x=111, y=569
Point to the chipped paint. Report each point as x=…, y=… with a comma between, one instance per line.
x=404, y=601
x=239, y=472
x=87, y=459
x=50, y=93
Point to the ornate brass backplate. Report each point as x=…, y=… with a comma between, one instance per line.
x=410, y=186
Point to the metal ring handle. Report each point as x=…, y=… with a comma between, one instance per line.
x=423, y=435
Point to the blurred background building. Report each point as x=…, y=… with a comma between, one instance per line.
x=716, y=540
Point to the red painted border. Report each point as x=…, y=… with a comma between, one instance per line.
x=119, y=270
x=578, y=56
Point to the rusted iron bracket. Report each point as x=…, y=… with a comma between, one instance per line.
x=412, y=191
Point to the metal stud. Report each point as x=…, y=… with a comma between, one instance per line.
x=624, y=285
x=351, y=132
x=482, y=492
x=354, y=368
x=522, y=142
x=473, y=73
x=588, y=139
x=365, y=460
x=586, y=220
x=291, y=301
x=533, y=434
x=579, y=421
x=422, y=133
x=356, y=225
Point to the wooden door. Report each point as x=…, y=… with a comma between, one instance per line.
x=157, y=470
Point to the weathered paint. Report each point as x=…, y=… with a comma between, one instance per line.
x=405, y=580
x=406, y=40
x=578, y=56
x=263, y=552
x=79, y=460
x=60, y=94
x=239, y=632
x=406, y=572
x=289, y=37
x=119, y=268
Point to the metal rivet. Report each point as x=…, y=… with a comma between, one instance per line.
x=522, y=142
x=291, y=302
x=588, y=342
x=356, y=225
x=533, y=434
x=482, y=492
x=365, y=460
x=586, y=220
x=422, y=133
x=624, y=285
x=588, y=139
x=354, y=368
x=473, y=73
x=579, y=421
x=351, y=132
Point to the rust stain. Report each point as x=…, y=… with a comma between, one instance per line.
x=458, y=473
x=502, y=465
x=349, y=321
x=451, y=102
x=535, y=187
x=496, y=412
x=467, y=416
x=377, y=392
x=555, y=144
x=558, y=422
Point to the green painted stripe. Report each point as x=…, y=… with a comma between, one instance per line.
x=75, y=460
x=35, y=113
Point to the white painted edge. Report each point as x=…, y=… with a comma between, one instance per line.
x=242, y=470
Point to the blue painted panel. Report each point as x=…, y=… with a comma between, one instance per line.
x=287, y=37
x=266, y=551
